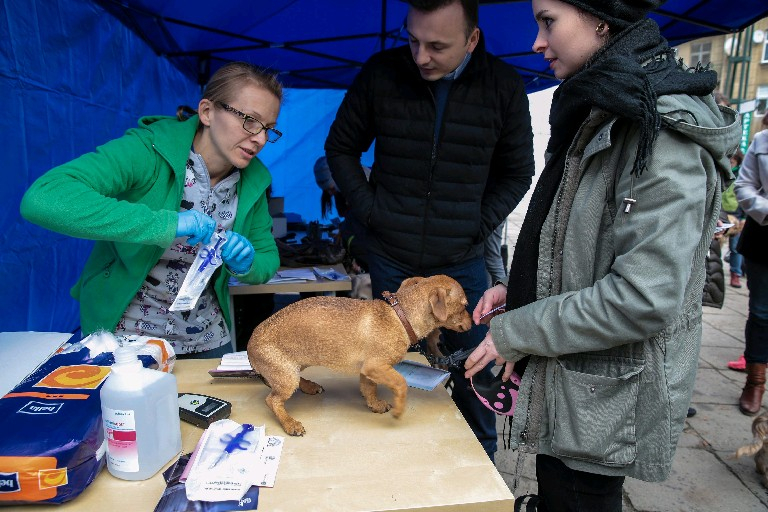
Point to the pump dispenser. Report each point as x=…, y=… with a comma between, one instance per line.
x=140, y=410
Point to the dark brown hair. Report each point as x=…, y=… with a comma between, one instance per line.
x=738, y=156
x=470, y=8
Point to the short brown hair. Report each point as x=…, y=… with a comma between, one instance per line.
x=721, y=99
x=470, y=7
x=738, y=156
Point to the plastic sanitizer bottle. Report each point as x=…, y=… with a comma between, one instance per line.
x=140, y=410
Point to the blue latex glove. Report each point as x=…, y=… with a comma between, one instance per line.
x=197, y=226
x=237, y=253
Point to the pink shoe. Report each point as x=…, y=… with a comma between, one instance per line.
x=740, y=365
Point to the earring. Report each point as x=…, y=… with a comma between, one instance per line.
x=600, y=28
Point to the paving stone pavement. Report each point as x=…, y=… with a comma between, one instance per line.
x=705, y=476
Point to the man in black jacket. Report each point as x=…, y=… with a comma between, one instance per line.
x=448, y=119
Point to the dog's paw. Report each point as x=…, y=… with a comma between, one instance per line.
x=379, y=406
x=310, y=388
x=294, y=428
x=398, y=411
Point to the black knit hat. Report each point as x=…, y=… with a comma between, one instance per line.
x=617, y=13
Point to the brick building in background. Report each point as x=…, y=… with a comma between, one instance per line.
x=741, y=62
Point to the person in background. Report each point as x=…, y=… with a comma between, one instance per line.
x=752, y=193
x=151, y=198
x=730, y=208
x=352, y=232
x=734, y=215
x=494, y=260
x=721, y=99
x=448, y=118
x=636, y=161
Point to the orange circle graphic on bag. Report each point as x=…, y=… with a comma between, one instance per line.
x=52, y=478
x=164, y=356
x=75, y=377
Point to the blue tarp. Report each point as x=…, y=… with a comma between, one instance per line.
x=73, y=77
x=77, y=73
x=322, y=43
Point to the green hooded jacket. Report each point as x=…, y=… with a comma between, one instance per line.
x=126, y=197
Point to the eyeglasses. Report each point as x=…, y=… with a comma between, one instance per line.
x=253, y=125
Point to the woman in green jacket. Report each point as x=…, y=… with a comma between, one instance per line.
x=604, y=296
x=151, y=198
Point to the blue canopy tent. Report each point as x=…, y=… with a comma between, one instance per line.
x=76, y=73
x=322, y=44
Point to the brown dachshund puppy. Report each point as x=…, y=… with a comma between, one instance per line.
x=352, y=336
x=759, y=448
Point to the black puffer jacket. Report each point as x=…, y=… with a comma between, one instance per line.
x=422, y=209
x=714, y=285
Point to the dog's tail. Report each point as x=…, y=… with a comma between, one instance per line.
x=749, y=449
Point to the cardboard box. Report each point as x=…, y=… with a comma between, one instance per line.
x=276, y=206
x=279, y=226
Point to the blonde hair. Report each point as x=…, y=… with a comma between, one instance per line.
x=224, y=83
x=228, y=78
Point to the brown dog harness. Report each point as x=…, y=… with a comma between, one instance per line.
x=456, y=359
x=391, y=298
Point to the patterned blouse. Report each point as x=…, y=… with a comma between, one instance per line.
x=202, y=328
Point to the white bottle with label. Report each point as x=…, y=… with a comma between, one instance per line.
x=140, y=411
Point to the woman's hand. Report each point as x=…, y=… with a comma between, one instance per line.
x=237, y=253
x=508, y=369
x=195, y=225
x=492, y=298
x=719, y=232
x=484, y=354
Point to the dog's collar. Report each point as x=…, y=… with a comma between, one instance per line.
x=391, y=298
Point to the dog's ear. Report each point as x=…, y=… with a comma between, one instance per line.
x=437, y=299
x=410, y=282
